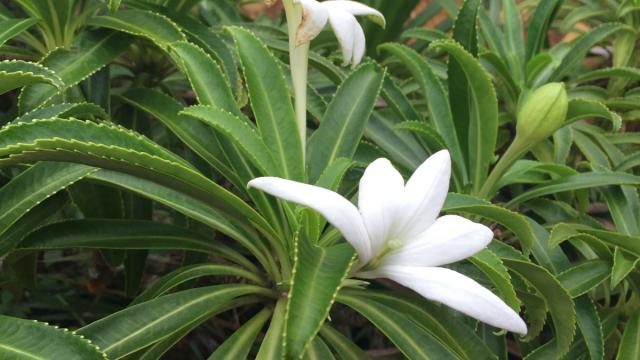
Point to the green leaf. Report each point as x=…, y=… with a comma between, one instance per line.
x=11, y=27
x=272, y=344
x=450, y=330
x=342, y=346
x=585, y=276
x=31, y=187
x=240, y=133
x=513, y=34
x=27, y=339
x=464, y=32
x=136, y=327
x=157, y=28
x=112, y=146
x=124, y=234
x=584, y=108
x=92, y=51
x=409, y=338
x=344, y=122
x=513, y=221
x=580, y=48
x=188, y=205
x=187, y=273
x=630, y=344
x=492, y=266
x=238, y=345
x=17, y=73
x=630, y=73
x=35, y=218
x=207, y=79
x=271, y=103
x=437, y=101
x=557, y=298
x=539, y=26
x=317, y=276
x=195, y=134
x=65, y=111
x=577, y=182
x=590, y=326
x=318, y=350
x=483, y=125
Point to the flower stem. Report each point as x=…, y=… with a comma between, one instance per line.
x=513, y=153
x=298, y=62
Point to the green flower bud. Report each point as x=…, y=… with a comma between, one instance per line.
x=543, y=112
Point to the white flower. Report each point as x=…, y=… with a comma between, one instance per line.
x=398, y=235
x=341, y=16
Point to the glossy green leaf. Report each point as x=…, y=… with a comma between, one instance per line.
x=510, y=219
x=437, y=100
x=585, y=276
x=238, y=345
x=557, y=298
x=28, y=340
x=190, y=272
x=136, y=327
x=272, y=346
x=483, y=124
x=17, y=73
x=12, y=27
x=155, y=27
x=124, y=234
x=270, y=101
x=92, y=51
x=65, y=111
x=207, y=79
x=344, y=122
x=584, y=109
x=539, y=26
x=630, y=344
x=30, y=188
x=317, y=276
x=342, y=346
x=241, y=133
x=450, y=330
x=409, y=338
x=577, y=182
x=581, y=46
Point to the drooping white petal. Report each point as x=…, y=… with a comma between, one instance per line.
x=338, y=211
x=380, y=186
x=457, y=291
x=359, y=46
x=423, y=196
x=451, y=238
x=355, y=8
x=344, y=25
x=314, y=18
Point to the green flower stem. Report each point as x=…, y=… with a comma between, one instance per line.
x=513, y=153
x=299, y=63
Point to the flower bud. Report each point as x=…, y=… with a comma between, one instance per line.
x=543, y=112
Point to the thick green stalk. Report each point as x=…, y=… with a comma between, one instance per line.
x=513, y=153
x=298, y=62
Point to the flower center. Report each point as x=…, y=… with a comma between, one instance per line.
x=389, y=246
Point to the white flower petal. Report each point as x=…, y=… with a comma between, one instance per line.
x=355, y=8
x=380, y=186
x=344, y=26
x=314, y=18
x=457, y=291
x=338, y=211
x=423, y=196
x=359, y=46
x=451, y=238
